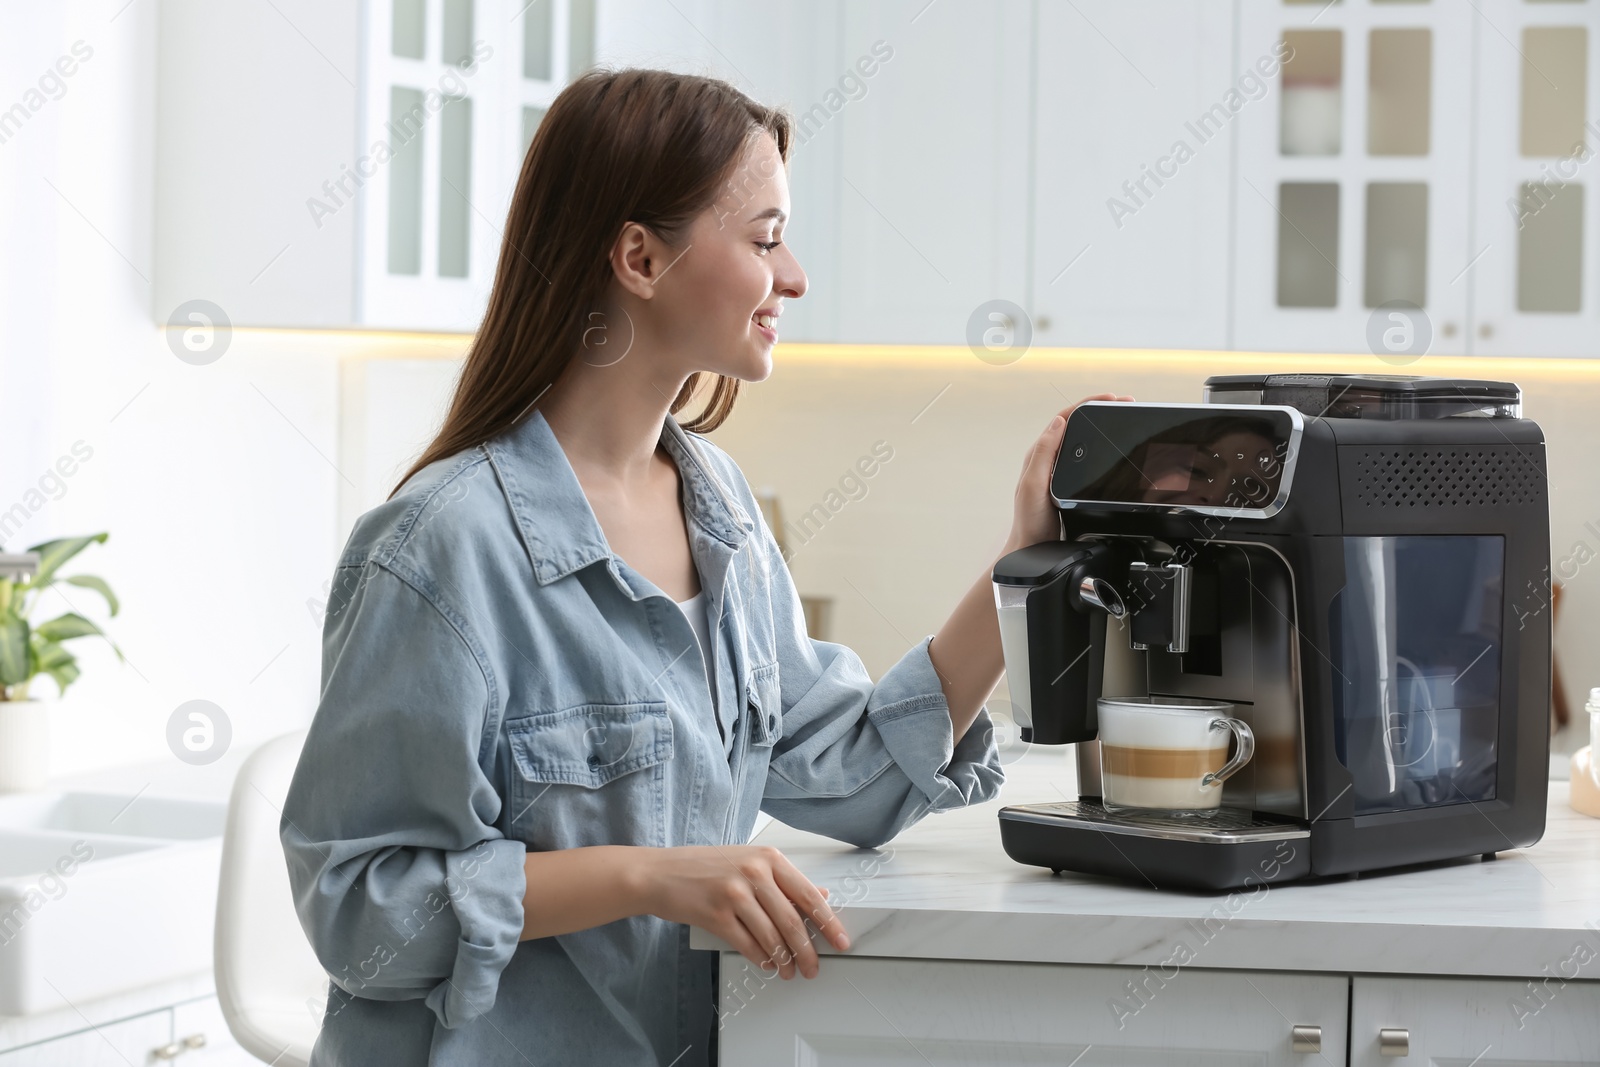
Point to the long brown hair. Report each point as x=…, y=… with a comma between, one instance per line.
x=645, y=146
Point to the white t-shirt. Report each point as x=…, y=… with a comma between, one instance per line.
x=698, y=613
x=695, y=609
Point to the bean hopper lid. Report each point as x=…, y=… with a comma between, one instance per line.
x=1370, y=396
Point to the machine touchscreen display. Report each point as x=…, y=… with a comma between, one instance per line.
x=1206, y=457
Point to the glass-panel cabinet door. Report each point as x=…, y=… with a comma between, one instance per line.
x=454, y=93
x=426, y=166
x=1351, y=198
x=553, y=42
x=1536, y=283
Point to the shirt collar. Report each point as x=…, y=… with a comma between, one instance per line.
x=559, y=527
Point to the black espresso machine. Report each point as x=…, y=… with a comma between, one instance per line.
x=1358, y=564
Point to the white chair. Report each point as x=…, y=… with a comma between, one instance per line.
x=269, y=983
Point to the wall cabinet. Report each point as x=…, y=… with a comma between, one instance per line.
x=908, y=173
x=1129, y=236
x=1400, y=178
x=931, y=168
x=1264, y=175
x=348, y=164
x=1352, y=183
x=1535, y=228
x=1421, y=180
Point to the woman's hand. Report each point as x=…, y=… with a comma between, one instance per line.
x=1035, y=517
x=751, y=896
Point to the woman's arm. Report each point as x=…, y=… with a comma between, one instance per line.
x=573, y=889
x=751, y=896
x=966, y=650
x=403, y=884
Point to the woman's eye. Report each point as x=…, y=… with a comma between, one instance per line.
x=767, y=246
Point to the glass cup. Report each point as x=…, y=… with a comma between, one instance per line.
x=1168, y=756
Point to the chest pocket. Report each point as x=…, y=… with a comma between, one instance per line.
x=764, y=703
x=589, y=775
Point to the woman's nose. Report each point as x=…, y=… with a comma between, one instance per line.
x=789, y=280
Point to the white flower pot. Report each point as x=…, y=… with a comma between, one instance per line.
x=24, y=745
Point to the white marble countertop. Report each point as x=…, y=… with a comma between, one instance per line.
x=945, y=889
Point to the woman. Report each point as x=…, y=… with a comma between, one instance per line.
x=528, y=774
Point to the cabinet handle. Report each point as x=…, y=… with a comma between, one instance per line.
x=1394, y=1041
x=1306, y=1038
x=173, y=1050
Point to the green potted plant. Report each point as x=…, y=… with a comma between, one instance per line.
x=28, y=650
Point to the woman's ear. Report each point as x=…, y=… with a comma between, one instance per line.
x=636, y=260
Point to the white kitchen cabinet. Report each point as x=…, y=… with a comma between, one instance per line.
x=1536, y=230
x=1353, y=179
x=115, y=1044
x=908, y=175
x=960, y=955
x=1487, y=1023
x=350, y=163
x=174, y=1022
x=1129, y=239
x=861, y=1012
x=948, y=155
x=241, y=145
x=931, y=175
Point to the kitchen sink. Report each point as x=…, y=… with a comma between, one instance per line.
x=103, y=892
x=110, y=814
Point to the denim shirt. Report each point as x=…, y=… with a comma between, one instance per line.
x=494, y=680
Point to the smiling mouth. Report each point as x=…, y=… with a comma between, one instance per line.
x=767, y=321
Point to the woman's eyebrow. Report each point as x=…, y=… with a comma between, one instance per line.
x=771, y=213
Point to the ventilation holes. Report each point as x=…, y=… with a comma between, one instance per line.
x=1446, y=477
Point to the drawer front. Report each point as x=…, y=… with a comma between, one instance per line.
x=861, y=1012
x=109, y=1045
x=1486, y=1022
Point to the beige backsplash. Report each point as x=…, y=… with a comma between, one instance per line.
x=897, y=549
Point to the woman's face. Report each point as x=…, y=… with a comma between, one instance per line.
x=719, y=300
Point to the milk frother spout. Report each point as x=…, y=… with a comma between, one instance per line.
x=1343, y=569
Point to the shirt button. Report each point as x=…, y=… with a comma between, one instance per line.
x=772, y=723
x=594, y=761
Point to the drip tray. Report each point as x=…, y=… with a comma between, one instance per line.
x=1218, y=851
x=1226, y=824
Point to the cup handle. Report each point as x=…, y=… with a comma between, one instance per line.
x=1247, y=748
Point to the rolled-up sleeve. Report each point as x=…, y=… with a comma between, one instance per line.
x=859, y=761
x=405, y=888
